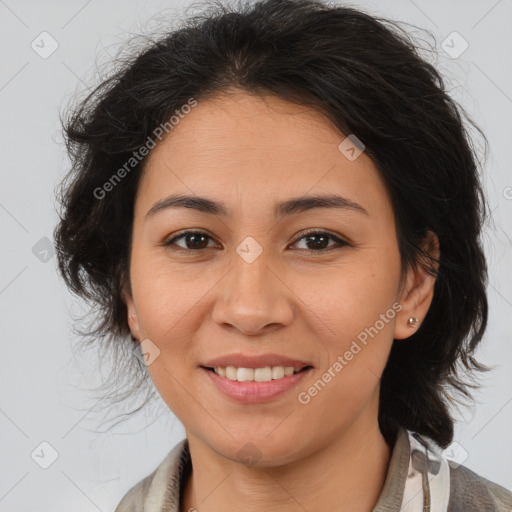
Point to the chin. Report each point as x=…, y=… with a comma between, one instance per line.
x=259, y=451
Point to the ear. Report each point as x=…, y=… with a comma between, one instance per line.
x=417, y=293
x=133, y=319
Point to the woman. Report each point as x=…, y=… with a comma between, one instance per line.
x=279, y=207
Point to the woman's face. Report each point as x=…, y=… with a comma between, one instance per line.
x=253, y=284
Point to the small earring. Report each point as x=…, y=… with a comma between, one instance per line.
x=412, y=321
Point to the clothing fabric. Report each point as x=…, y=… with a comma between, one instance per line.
x=419, y=479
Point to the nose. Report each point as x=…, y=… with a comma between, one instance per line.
x=254, y=297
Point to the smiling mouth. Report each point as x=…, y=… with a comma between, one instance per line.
x=264, y=374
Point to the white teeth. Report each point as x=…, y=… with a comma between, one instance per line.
x=262, y=374
x=244, y=374
x=265, y=374
x=277, y=372
x=231, y=373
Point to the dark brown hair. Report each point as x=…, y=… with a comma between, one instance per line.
x=367, y=76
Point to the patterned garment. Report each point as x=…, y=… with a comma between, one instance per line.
x=419, y=479
x=427, y=487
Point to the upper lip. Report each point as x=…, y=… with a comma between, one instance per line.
x=254, y=361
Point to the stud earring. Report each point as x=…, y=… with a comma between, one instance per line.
x=412, y=321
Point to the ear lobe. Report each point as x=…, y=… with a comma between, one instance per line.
x=418, y=293
x=133, y=320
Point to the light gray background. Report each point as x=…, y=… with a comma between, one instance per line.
x=44, y=388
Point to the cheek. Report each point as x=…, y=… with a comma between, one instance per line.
x=351, y=296
x=358, y=305
x=162, y=308
x=350, y=377
x=164, y=296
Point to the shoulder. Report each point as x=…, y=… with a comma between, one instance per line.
x=133, y=500
x=161, y=486
x=470, y=492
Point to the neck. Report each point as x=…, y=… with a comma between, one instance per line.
x=350, y=471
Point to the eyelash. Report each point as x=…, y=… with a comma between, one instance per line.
x=339, y=242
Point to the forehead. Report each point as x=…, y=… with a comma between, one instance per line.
x=235, y=125
x=239, y=145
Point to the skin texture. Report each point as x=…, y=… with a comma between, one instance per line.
x=250, y=152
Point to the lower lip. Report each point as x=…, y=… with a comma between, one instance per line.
x=255, y=392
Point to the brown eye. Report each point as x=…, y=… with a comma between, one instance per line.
x=194, y=240
x=317, y=241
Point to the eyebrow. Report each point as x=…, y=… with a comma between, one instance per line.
x=286, y=208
